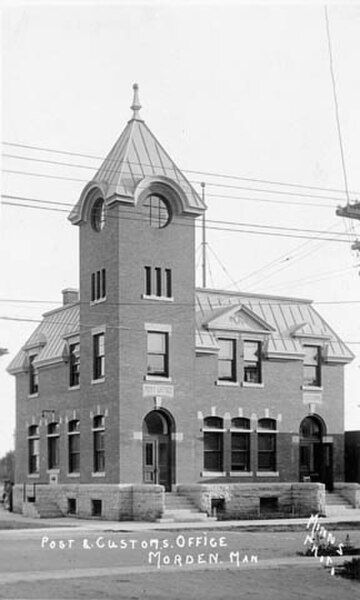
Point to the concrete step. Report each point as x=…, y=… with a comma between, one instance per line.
x=47, y=510
x=179, y=509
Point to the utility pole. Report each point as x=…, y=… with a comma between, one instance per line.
x=203, y=239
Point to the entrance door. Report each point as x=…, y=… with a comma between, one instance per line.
x=316, y=463
x=157, y=454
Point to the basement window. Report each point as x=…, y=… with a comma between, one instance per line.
x=71, y=507
x=96, y=508
x=269, y=505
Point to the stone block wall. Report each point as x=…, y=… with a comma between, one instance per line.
x=245, y=501
x=350, y=491
x=120, y=502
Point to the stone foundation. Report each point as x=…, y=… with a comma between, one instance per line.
x=122, y=502
x=350, y=491
x=253, y=501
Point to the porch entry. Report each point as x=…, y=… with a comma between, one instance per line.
x=316, y=457
x=157, y=449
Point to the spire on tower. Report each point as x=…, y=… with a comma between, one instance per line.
x=136, y=106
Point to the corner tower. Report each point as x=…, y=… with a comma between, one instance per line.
x=137, y=318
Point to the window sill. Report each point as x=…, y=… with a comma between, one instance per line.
x=223, y=382
x=312, y=388
x=98, y=474
x=157, y=378
x=73, y=475
x=30, y=396
x=267, y=473
x=73, y=387
x=34, y=475
x=52, y=471
x=96, y=381
x=241, y=474
x=99, y=301
x=213, y=474
x=247, y=384
x=158, y=298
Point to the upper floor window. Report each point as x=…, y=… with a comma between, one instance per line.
x=312, y=366
x=74, y=446
x=99, y=355
x=252, y=362
x=157, y=210
x=33, y=449
x=227, y=360
x=33, y=375
x=158, y=353
x=158, y=282
x=74, y=364
x=98, y=285
x=99, y=443
x=97, y=217
x=53, y=437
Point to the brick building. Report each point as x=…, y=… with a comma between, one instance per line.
x=144, y=381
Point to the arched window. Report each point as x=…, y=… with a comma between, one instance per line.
x=240, y=444
x=266, y=444
x=311, y=429
x=157, y=210
x=33, y=449
x=213, y=444
x=97, y=216
x=155, y=424
x=53, y=438
x=99, y=443
x=74, y=446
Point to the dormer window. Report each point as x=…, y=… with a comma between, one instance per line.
x=157, y=210
x=252, y=362
x=312, y=366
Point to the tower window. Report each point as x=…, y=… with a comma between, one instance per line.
x=97, y=217
x=158, y=353
x=157, y=282
x=157, y=210
x=98, y=285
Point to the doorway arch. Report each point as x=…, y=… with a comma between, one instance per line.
x=315, y=454
x=158, y=452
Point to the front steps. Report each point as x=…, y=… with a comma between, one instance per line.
x=336, y=505
x=179, y=509
x=41, y=510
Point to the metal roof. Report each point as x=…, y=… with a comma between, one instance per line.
x=137, y=155
x=48, y=340
x=291, y=322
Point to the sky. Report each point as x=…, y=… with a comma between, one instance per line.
x=241, y=97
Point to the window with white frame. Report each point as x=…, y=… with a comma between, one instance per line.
x=240, y=444
x=74, y=445
x=266, y=438
x=74, y=364
x=213, y=444
x=227, y=359
x=33, y=375
x=98, y=355
x=33, y=449
x=312, y=365
x=252, y=362
x=99, y=443
x=53, y=440
x=158, y=353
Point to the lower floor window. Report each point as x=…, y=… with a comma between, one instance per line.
x=266, y=452
x=240, y=451
x=213, y=451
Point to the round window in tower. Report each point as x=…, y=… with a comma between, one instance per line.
x=157, y=210
x=98, y=215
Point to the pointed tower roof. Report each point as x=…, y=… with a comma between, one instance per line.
x=136, y=158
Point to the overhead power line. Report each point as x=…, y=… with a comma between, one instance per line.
x=141, y=164
x=198, y=172
x=228, y=226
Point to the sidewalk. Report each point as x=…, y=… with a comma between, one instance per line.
x=14, y=521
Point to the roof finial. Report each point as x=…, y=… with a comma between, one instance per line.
x=136, y=106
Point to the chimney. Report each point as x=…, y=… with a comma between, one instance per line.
x=70, y=296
